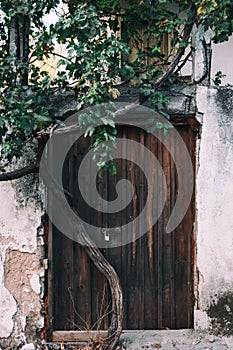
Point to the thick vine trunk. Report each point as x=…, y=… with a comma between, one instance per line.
x=115, y=328
x=94, y=254
x=17, y=174
x=108, y=271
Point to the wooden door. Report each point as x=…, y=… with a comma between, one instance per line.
x=156, y=271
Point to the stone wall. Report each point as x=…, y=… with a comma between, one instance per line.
x=21, y=232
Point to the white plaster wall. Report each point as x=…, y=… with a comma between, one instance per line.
x=214, y=196
x=19, y=278
x=8, y=306
x=18, y=224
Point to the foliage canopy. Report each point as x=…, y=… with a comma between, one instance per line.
x=105, y=43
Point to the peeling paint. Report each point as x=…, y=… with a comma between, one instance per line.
x=18, y=226
x=29, y=346
x=8, y=309
x=8, y=306
x=35, y=283
x=20, y=269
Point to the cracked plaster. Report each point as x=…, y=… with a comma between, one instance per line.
x=20, y=269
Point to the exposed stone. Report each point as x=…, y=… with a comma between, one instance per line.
x=182, y=99
x=20, y=302
x=25, y=264
x=29, y=346
x=64, y=102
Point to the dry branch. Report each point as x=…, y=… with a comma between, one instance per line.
x=176, y=59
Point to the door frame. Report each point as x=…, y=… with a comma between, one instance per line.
x=82, y=336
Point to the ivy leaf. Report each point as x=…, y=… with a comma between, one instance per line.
x=164, y=113
x=42, y=118
x=89, y=132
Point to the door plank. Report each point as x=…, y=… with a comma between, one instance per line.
x=155, y=270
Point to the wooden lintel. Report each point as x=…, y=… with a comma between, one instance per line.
x=78, y=336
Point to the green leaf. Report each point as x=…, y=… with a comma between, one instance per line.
x=89, y=132
x=164, y=113
x=42, y=118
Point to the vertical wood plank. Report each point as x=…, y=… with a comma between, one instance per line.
x=124, y=248
x=160, y=228
x=156, y=270
x=81, y=262
x=150, y=297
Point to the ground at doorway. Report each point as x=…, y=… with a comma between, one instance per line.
x=175, y=340
x=151, y=340
x=170, y=340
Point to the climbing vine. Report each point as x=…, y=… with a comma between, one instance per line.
x=94, y=47
x=105, y=43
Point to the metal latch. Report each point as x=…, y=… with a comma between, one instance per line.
x=106, y=234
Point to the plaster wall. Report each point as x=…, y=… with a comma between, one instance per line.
x=21, y=272
x=214, y=194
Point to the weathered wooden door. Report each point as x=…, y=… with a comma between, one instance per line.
x=156, y=271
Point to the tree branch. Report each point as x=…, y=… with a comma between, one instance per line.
x=164, y=77
x=187, y=31
x=179, y=67
x=16, y=174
